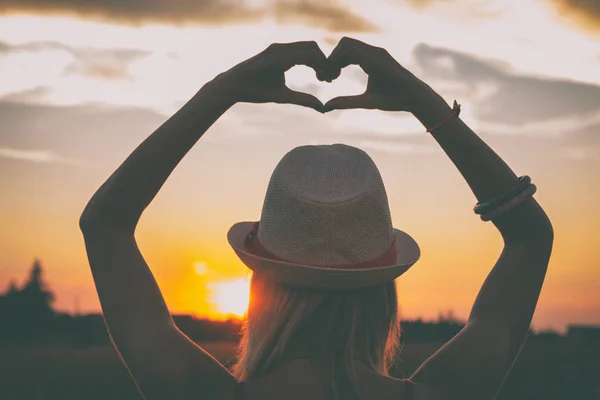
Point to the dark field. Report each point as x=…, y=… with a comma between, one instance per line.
x=546, y=369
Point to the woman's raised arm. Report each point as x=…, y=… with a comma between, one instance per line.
x=473, y=364
x=164, y=363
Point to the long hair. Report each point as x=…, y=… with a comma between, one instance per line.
x=331, y=327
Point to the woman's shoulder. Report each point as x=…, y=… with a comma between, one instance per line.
x=389, y=388
x=298, y=382
x=419, y=391
x=405, y=390
x=392, y=388
x=291, y=381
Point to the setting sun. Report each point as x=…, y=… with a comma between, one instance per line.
x=231, y=297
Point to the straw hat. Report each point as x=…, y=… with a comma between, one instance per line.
x=325, y=223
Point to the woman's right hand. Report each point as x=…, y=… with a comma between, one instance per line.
x=390, y=87
x=261, y=79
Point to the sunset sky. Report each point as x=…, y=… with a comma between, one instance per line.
x=82, y=83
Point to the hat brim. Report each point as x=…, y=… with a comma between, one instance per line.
x=299, y=275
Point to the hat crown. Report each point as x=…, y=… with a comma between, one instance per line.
x=326, y=205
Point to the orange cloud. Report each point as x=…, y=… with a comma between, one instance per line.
x=324, y=14
x=585, y=13
x=139, y=11
x=421, y=4
x=327, y=14
x=481, y=9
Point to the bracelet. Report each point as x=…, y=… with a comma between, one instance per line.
x=455, y=113
x=487, y=206
x=511, y=204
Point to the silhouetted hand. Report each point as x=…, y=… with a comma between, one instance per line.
x=391, y=87
x=261, y=79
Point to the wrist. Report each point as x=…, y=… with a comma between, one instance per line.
x=430, y=108
x=219, y=93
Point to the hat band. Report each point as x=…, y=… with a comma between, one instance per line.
x=253, y=245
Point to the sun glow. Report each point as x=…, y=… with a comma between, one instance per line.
x=231, y=297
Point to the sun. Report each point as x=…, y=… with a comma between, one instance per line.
x=231, y=297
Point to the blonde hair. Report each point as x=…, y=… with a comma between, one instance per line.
x=330, y=327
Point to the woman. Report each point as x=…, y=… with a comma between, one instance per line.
x=322, y=320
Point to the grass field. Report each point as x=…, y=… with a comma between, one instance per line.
x=546, y=370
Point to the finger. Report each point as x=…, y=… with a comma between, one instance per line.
x=352, y=52
x=347, y=102
x=293, y=45
x=289, y=96
x=310, y=54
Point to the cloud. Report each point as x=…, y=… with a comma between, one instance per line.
x=33, y=95
x=140, y=11
x=333, y=41
x=503, y=98
x=90, y=62
x=581, y=153
x=279, y=121
x=421, y=4
x=36, y=156
x=290, y=120
x=269, y=119
x=552, y=127
x=474, y=9
x=585, y=13
x=109, y=64
x=90, y=133
x=326, y=14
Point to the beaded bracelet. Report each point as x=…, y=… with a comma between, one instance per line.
x=510, y=204
x=487, y=206
x=455, y=113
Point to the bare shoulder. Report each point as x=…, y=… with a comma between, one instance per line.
x=383, y=387
x=423, y=392
x=295, y=382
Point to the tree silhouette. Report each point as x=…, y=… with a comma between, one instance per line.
x=27, y=312
x=8, y=302
x=12, y=288
x=36, y=298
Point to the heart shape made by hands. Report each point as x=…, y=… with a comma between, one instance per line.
x=352, y=81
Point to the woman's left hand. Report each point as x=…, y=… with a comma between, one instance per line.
x=390, y=87
x=261, y=79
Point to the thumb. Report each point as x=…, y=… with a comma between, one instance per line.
x=289, y=96
x=347, y=102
